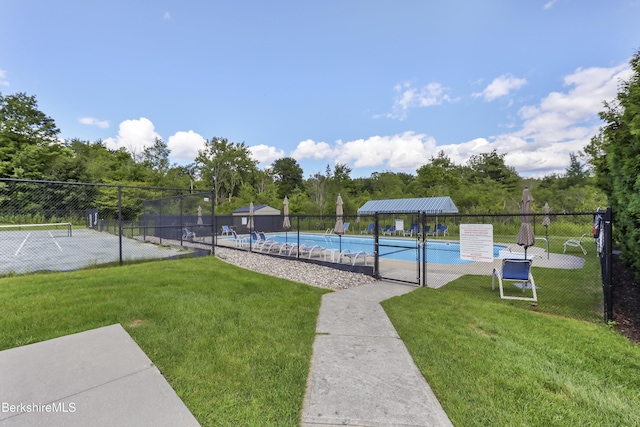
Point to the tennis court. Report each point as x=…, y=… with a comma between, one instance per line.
x=58, y=247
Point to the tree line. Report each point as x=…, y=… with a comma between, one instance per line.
x=30, y=148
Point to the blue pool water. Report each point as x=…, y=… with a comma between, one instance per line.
x=437, y=252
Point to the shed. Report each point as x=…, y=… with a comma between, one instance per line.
x=432, y=205
x=257, y=210
x=265, y=218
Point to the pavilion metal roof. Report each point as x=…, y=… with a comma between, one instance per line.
x=424, y=204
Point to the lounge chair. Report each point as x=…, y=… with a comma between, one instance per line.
x=515, y=270
x=352, y=257
x=307, y=248
x=188, y=235
x=369, y=229
x=428, y=232
x=386, y=229
x=346, y=227
x=442, y=229
x=226, y=231
x=576, y=243
x=287, y=248
x=390, y=230
x=413, y=229
x=239, y=241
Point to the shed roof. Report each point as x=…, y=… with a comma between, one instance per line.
x=424, y=204
x=256, y=209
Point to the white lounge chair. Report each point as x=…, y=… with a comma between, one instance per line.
x=576, y=243
x=515, y=270
x=352, y=257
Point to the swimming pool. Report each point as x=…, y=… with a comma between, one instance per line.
x=438, y=252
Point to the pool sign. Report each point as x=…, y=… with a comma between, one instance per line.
x=476, y=242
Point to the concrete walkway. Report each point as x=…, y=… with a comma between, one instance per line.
x=94, y=378
x=361, y=372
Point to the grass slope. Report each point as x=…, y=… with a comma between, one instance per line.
x=492, y=363
x=235, y=345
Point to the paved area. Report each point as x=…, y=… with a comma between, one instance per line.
x=94, y=378
x=361, y=372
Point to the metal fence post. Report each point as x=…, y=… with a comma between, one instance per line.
x=376, y=248
x=606, y=265
x=120, y=222
x=424, y=249
x=214, y=226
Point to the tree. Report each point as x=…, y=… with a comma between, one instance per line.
x=224, y=166
x=616, y=159
x=28, y=138
x=492, y=166
x=156, y=157
x=575, y=173
x=288, y=175
x=440, y=177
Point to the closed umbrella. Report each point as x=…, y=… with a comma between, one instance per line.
x=250, y=223
x=339, y=228
x=199, y=215
x=286, y=223
x=526, y=238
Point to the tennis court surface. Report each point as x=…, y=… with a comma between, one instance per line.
x=25, y=249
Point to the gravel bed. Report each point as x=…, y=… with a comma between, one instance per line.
x=311, y=274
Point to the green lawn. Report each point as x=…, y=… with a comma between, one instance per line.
x=235, y=345
x=492, y=363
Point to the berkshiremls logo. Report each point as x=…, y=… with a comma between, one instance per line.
x=55, y=407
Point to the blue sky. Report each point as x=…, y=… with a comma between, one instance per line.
x=377, y=85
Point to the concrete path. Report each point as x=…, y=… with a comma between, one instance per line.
x=94, y=378
x=361, y=372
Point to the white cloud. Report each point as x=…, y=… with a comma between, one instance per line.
x=403, y=152
x=184, y=146
x=549, y=4
x=3, y=77
x=264, y=154
x=408, y=97
x=103, y=124
x=561, y=123
x=501, y=86
x=309, y=149
x=134, y=135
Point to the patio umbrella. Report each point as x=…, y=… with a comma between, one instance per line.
x=286, y=223
x=199, y=215
x=250, y=223
x=526, y=238
x=339, y=228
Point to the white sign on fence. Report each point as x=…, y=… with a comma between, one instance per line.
x=476, y=242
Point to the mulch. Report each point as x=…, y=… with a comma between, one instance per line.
x=626, y=300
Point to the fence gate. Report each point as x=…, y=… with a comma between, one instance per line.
x=398, y=247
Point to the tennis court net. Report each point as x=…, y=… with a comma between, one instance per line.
x=55, y=229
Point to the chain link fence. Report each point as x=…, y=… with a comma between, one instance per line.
x=57, y=226
x=432, y=250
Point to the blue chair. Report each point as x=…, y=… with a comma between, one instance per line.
x=369, y=229
x=346, y=227
x=442, y=229
x=226, y=231
x=188, y=235
x=515, y=270
x=413, y=229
